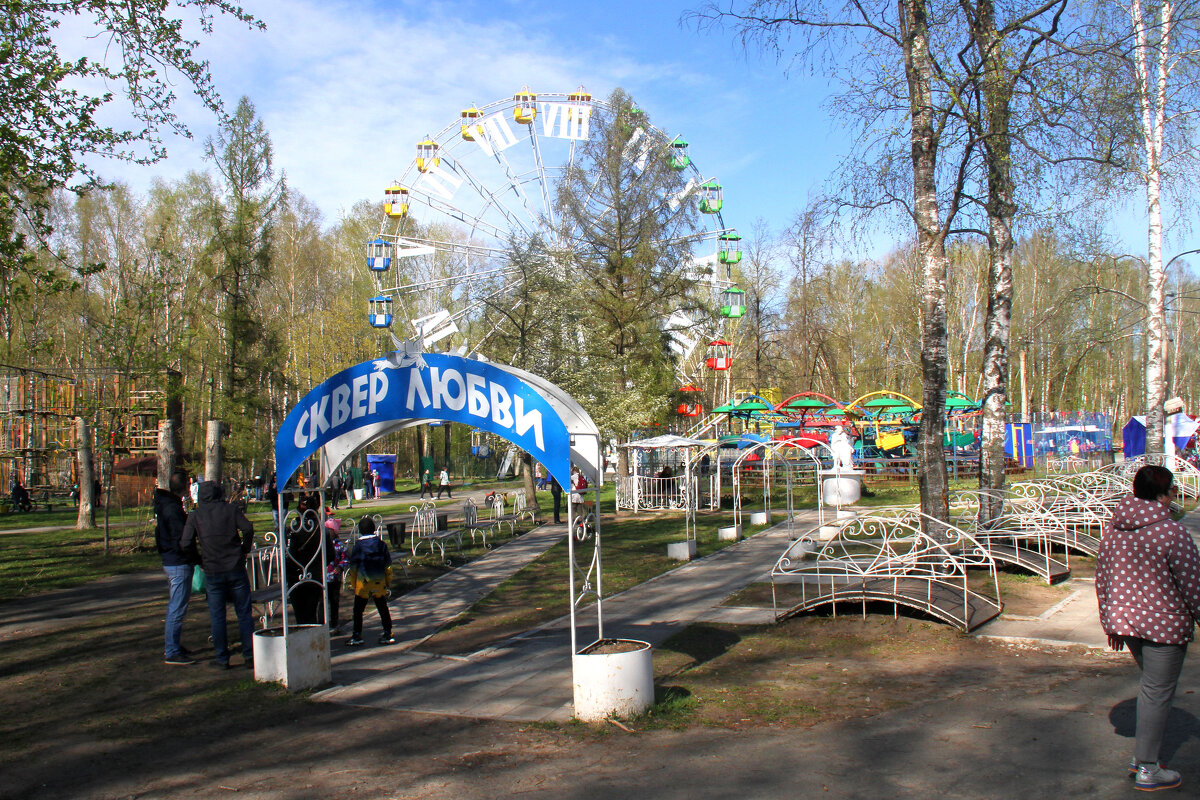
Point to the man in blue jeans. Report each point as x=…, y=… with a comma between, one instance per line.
x=225, y=536
x=178, y=563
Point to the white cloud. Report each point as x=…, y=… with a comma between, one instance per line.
x=347, y=90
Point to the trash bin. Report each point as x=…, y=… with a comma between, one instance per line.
x=396, y=533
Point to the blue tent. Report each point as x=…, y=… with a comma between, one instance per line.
x=1180, y=426
x=1018, y=442
x=386, y=467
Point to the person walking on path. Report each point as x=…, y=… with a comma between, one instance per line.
x=556, y=493
x=1148, y=590
x=375, y=484
x=225, y=537
x=444, y=484
x=279, y=504
x=370, y=576
x=178, y=563
x=335, y=491
x=426, y=484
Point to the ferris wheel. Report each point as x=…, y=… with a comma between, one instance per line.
x=488, y=179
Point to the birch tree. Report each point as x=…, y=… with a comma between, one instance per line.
x=886, y=57
x=1003, y=54
x=1158, y=62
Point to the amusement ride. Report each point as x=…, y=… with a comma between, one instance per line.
x=488, y=181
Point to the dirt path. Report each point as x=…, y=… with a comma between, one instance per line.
x=847, y=708
x=840, y=708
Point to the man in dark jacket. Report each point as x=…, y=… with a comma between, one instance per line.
x=556, y=493
x=177, y=562
x=217, y=525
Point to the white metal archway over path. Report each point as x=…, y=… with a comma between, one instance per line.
x=369, y=400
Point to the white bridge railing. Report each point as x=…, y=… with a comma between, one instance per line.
x=647, y=493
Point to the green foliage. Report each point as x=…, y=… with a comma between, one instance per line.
x=50, y=128
x=243, y=223
x=589, y=304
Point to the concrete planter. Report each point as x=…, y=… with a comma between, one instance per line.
x=612, y=677
x=730, y=533
x=758, y=518
x=828, y=532
x=299, y=662
x=682, y=551
x=841, y=488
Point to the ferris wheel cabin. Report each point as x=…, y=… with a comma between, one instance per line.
x=733, y=303
x=680, y=160
x=427, y=155
x=525, y=110
x=380, y=311
x=471, y=129
x=711, y=196
x=479, y=445
x=379, y=255
x=729, y=248
x=720, y=355
x=395, y=201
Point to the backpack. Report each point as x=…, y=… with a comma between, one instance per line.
x=583, y=484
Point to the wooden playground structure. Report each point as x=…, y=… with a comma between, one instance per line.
x=38, y=409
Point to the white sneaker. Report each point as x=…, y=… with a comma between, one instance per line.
x=1152, y=777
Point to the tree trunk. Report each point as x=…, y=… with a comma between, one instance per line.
x=527, y=477
x=86, y=473
x=419, y=445
x=168, y=452
x=1001, y=207
x=1151, y=88
x=931, y=251
x=1024, y=389
x=446, y=444
x=213, y=450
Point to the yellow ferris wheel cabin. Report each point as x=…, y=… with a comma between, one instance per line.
x=525, y=110
x=395, y=201
x=471, y=129
x=427, y=155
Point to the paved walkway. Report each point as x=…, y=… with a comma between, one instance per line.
x=528, y=678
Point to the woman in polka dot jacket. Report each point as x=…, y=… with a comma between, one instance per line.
x=1148, y=587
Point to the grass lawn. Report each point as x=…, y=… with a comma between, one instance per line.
x=634, y=550
x=40, y=561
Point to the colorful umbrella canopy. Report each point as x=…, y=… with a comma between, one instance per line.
x=752, y=405
x=798, y=403
x=885, y=402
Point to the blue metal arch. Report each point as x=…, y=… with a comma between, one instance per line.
x=374, y=397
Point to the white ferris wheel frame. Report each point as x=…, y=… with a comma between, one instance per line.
x=532, y=189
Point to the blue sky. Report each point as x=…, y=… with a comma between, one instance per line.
x=346, y=89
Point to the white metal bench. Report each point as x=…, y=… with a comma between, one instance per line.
x=425, y=530
x=500, y=517
x=522, y=509
x=472, y=524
